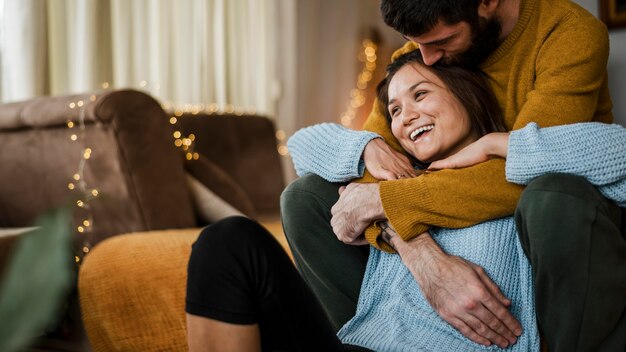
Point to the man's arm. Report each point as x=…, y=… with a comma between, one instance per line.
x=459, y=291
x=569, y=86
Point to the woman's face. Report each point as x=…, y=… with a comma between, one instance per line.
x=426, y=118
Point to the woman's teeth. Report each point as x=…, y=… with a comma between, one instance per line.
x=420, y=130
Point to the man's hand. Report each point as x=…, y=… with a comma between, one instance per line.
x=460, y=292
x=384, y=163
x=358, y=206
x=492, y=145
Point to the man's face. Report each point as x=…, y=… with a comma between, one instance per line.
x=460, y=44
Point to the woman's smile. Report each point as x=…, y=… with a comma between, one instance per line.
x=427, y=119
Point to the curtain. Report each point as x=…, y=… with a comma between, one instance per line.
x=181, y=51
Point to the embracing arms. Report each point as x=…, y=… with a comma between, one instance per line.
x=595, y=151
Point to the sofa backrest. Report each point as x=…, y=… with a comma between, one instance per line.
x=245, y=147
x=134, y=165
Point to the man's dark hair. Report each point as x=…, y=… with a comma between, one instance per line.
x=416, y=17
x=468, y=86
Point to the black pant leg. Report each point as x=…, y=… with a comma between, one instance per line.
x=238, y=273
x=575, y=241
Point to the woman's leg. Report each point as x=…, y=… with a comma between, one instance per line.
x=240, y=281
x=204, y=334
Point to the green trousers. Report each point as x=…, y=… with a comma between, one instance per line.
x=574, y=238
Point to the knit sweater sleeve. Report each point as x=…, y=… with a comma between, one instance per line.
x=330, y=151
x=595, y=151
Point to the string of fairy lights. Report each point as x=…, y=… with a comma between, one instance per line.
x=85, y=194
x=358, y=95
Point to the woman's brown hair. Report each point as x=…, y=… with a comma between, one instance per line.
x=469, y=87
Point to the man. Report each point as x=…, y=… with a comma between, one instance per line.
x=546, y=62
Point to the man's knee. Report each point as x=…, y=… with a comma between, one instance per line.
x=557, y=209
x=305, y=207
x=309, y=188
x=544, y=198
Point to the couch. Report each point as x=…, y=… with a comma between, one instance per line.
x=146, y=213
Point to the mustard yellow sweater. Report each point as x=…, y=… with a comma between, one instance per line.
x=551, y=70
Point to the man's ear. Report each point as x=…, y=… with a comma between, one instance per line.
x=487, y=8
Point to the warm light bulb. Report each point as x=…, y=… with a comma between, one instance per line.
x=280, y=135
x=283, y=150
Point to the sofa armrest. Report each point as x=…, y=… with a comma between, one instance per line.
x=134, y=165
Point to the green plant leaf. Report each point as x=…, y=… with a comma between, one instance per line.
x=38, y=276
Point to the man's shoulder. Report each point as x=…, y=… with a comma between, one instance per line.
x=565, y=13
x=407, y=47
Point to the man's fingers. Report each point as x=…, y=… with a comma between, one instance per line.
x=482, y=328
x=495, y=290
x=468, y=332
x=359, y=241
x=511, y=328
x=498, y=304
x=341, y=189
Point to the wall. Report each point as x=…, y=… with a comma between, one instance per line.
x=616, y=66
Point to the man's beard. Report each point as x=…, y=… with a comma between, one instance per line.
x=485, y=33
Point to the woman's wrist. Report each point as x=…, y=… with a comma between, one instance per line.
x=497, y=144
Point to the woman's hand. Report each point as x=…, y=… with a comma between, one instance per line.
x=384, y=163
x=492, y=145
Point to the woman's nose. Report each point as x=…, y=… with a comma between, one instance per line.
x=409, y=115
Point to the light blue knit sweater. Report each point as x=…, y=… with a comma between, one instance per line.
x=392, y=313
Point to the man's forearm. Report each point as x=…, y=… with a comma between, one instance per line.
x=449, y=198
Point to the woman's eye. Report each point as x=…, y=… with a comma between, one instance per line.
x=394, y=111
x=419, y=94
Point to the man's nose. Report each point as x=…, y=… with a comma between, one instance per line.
x=430, y=55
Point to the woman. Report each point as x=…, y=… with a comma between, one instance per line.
x=243, y=292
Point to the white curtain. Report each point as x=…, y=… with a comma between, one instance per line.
x=181, y=51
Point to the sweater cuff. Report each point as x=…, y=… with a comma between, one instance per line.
x=523, y=154
x=372, y=235
x=406, y=203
